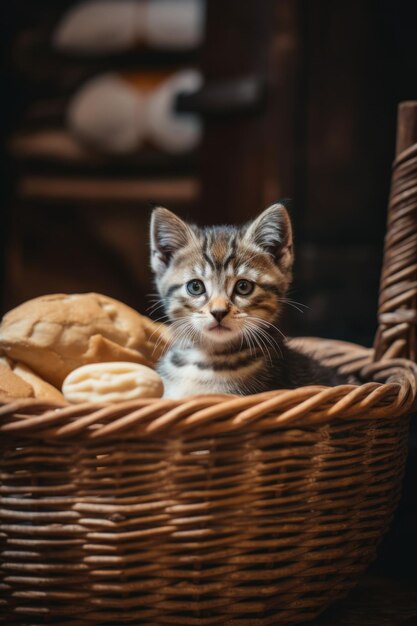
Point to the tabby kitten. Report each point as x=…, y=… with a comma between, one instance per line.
x=223, y=289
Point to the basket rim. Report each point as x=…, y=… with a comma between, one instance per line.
x=389, y=390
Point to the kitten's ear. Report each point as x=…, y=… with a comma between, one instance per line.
x=272, y=231
x=168, y=234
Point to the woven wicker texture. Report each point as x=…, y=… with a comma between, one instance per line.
x=398, y=292
x=212, y=511
x=220, y=510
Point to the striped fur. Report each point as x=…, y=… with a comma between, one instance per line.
x=243, y=352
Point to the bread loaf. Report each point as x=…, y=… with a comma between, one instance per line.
x=18, y=381
x=55, y=334
x=11, y=386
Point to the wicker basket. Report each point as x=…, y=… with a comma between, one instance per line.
x=215, y=510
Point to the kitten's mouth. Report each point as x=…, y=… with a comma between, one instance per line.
x=218, y=328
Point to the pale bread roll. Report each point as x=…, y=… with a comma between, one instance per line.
x=112, y=382
x=55, y=334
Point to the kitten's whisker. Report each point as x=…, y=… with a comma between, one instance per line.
x=270, y=338
x=262, y=345
x=272, y=342
x=294, y=306
x=305, y=306
x=182, y=326
x=293, y=303
x=248, y=339
x=183, y=333
x=171, y=338
x=162, y=317
x=158, y=341
x=157, y=330
x=241, y=341
x=257, y=344
x=187, y=336
x=266, y=340
x=268, y=324
x=155, y=307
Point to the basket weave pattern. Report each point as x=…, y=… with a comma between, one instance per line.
x=219, y=510
x=398, y=294
x=235, y=511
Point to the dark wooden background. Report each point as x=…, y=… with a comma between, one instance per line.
x=323, y=133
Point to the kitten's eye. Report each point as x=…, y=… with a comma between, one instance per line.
x=244, y=287
x=195, y=287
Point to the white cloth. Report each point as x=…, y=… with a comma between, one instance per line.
x=174, y=23
x=114, y=116
x=167, y=129
x=109, y=26
x=108, y=114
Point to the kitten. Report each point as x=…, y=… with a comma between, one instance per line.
x=223, y=288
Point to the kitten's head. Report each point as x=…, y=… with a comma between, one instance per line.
x=219, y=284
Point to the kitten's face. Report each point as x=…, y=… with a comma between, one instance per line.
x=221, y=284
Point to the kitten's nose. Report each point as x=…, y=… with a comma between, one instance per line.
x=219, y=314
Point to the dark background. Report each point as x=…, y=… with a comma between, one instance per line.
x=321, y=131
x=318, y=126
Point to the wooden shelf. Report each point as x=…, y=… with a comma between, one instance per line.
x=57, y=151
x=70, y=189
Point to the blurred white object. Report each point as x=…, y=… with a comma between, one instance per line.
x=167, y=129
x=116, y=116
x=108, y=26
x=174, y=23
x=99, y=26
x=108, y=114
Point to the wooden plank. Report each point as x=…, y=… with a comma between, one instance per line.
x=238, y=36
x=69, y=189
x=350, y=123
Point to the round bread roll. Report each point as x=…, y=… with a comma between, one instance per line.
x=112, y=382
x=55, y=334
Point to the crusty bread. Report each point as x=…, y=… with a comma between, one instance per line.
x=55, y=334
x=21, y=382
x=42, y=389
x=12, y=386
